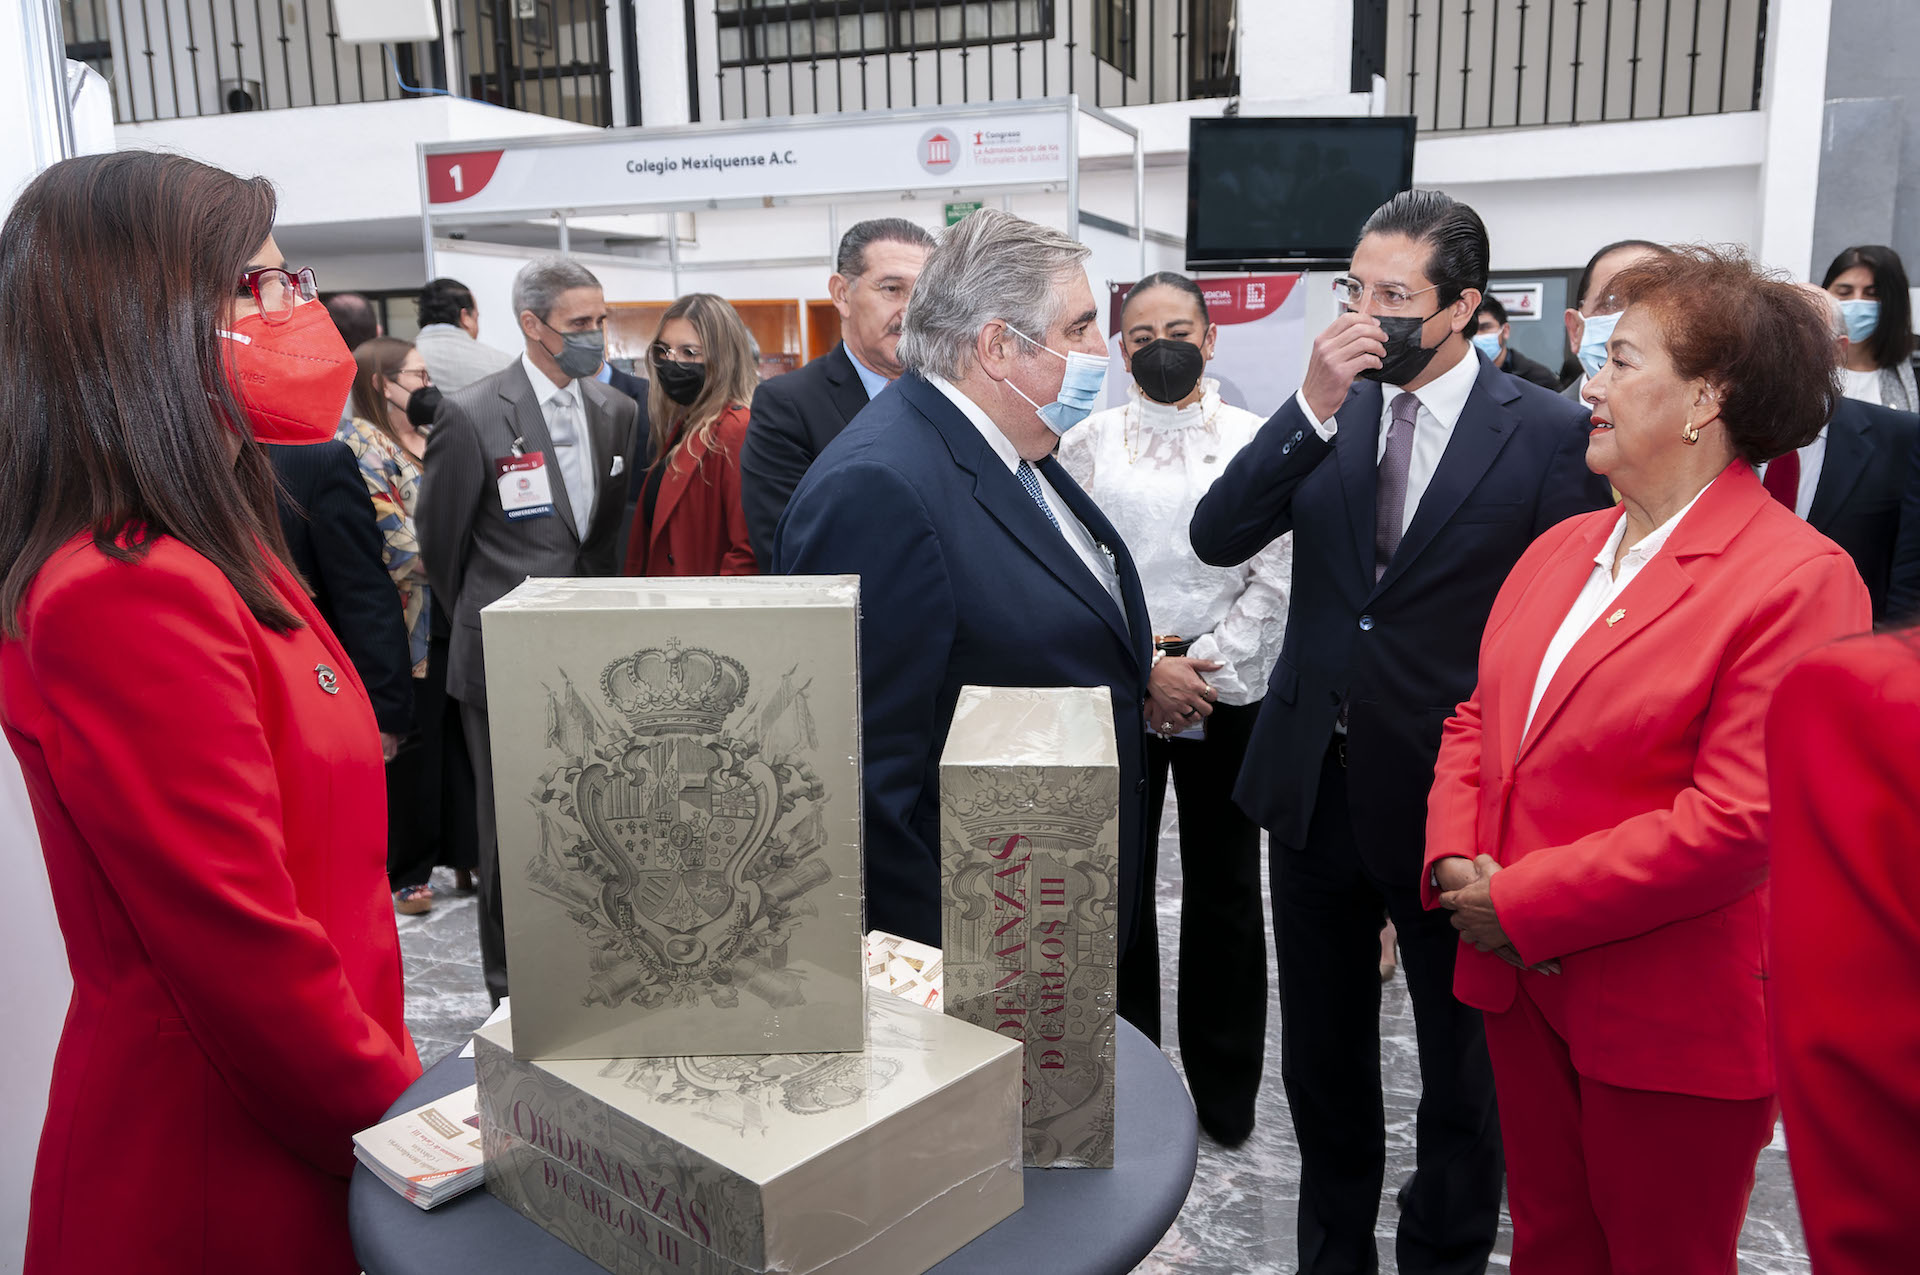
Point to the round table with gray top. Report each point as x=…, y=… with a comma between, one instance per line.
x=1074, y=1221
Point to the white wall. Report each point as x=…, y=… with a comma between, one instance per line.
x=33, y=995
x=339, y=164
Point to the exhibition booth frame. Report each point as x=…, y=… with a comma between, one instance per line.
x=954, y=155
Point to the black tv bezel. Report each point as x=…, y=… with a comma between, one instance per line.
x=1332, y=256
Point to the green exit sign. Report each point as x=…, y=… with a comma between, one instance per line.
x=958, y=211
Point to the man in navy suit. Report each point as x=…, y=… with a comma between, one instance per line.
x=796, y=415
x=979, y=559
x=1413, y=474
x=1849, y=483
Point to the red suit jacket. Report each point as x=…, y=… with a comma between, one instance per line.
x=1843, y=752
x=211, y=806
x=1631, y=819
x=699, y=525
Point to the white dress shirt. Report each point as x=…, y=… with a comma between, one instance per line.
x=1441, y=402
x=1147, y=465
x=1603, y=586
x=565, y=411
x=1812, y=457
x=1078, y=538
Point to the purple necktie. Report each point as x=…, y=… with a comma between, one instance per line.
x=1390, y=499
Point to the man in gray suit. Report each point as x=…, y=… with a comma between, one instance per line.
x=526, y=475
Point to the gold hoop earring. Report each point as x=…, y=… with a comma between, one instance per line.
x=1689, y=435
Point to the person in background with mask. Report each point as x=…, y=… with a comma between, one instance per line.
x=1413, y=475
x=1491, y=336
x=1218, y=634
x=796, y=415
x=572, y=438
x=1591, y=321
x=1870, y=283
x=429, y=788
x=202, y=761
x=980, y=560
x=691, y=522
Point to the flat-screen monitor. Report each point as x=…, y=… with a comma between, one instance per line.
x=1289, y=191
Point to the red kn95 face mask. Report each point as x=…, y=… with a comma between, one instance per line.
x=293, y=377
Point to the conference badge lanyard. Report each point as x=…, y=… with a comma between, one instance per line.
x=526, y=487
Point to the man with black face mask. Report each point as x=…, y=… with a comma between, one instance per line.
x=545, y=417
x=1413, y=474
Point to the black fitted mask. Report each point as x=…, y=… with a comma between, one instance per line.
x=681, y=382
x=421, y=405
x=1166, y=370
x=1406, y=358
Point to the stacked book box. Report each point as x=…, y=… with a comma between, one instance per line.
x=694, y=1078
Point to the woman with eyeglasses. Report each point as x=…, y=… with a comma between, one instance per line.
x=1871, y=284
x=203, y=763
x=429, y=788
x=691, y=521
x=1146, y=464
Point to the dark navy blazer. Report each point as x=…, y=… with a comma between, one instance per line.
x=963, y=582
x=1405, y=651
x=1868, y=474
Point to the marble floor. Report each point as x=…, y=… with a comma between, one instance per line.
x=1239, y=1216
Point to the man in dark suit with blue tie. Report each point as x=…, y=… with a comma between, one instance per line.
x=980, y=561
x=1413, y=474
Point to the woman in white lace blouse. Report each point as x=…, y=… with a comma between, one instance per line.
x=1147, y=464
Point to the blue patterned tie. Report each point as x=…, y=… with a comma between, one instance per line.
x=1031, y=481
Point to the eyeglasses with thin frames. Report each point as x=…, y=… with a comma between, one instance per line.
x=1388, y=298
x=677, y=353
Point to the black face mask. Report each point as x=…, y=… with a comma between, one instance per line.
x=681, y=382
x=1166, y=370
x=421, y=405
x=1406, y=358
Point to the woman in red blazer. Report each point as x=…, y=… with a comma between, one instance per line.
x=203, y=762
x=691, y=522
x=1598, y=820
x=1843, y=754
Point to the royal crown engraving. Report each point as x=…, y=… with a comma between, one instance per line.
x=1068, y=812
x=681, y=848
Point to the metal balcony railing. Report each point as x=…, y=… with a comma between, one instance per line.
x=1474, y=64
x=176, y=59
x=802, y=57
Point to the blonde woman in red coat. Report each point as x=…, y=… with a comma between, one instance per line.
x=203, y=763
x=1598, y=820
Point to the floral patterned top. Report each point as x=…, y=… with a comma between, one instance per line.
x=393, y=480
x=1147, y=465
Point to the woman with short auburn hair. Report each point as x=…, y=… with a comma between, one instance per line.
x=1598, y=821
x=202, y=760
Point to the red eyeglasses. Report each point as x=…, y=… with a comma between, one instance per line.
x=277, y=291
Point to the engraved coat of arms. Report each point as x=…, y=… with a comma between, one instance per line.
x=681, y=847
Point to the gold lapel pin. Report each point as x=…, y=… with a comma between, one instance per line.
x=1616, y=617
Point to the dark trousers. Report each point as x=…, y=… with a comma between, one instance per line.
x=430, y=801
x=1326, y=908
x=1222, y=997
x=493, y=926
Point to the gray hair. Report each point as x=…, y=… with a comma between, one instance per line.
x=992, y=265
x=852, y=258
x=1829, y=306
x=541, y=281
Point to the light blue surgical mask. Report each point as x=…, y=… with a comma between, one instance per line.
x=1595, y=332
x=1079, y=389
x=1862, y=316
x=1488, y=343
